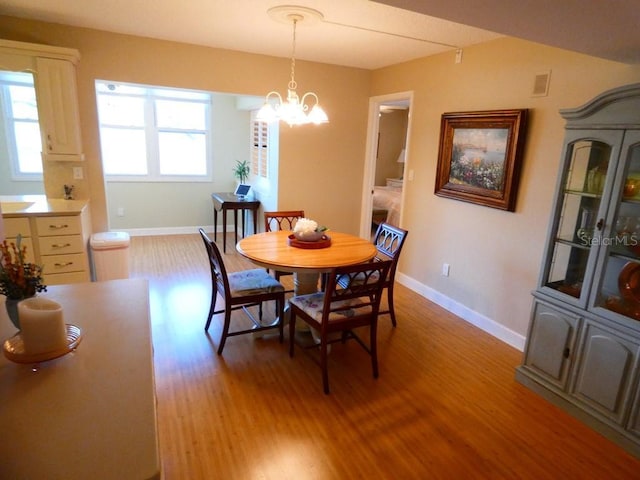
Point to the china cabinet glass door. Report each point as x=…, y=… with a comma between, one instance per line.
x=577, y=225
x=619, y=288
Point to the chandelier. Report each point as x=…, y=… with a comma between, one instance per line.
x=295, y=110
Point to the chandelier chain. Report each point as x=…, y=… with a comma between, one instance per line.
x=293, y=109
x=292, y=83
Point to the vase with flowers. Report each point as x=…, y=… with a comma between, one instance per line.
x=19, y=279
x=307, y=230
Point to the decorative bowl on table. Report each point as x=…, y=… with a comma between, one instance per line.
x=306, y=230
x=309, y=236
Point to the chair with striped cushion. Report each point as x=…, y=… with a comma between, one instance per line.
x=342, y=310
x=241, y=290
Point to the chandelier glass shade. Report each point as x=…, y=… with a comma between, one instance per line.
x=293, y=110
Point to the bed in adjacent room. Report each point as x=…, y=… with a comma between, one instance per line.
x=386, y=205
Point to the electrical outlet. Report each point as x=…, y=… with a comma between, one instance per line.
x=77, y=173
x=120, y=212
x=445, y=269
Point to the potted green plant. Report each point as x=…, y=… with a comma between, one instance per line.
x=241, y=171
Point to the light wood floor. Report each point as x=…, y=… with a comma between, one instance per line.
x=446, y=405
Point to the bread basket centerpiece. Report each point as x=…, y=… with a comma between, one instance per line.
x=307, y=234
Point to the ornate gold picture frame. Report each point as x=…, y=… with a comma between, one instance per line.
x=480, y=157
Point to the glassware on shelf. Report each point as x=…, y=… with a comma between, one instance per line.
x=632, y=241
x=595, y=179
x=622, y=229
x=585, y=232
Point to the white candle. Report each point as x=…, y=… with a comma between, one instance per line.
x=41, y=325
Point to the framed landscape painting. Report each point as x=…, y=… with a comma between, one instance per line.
x=480, y=157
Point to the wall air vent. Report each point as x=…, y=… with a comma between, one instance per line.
x=541, y=84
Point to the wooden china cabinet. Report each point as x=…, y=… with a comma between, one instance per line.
x=583, y=345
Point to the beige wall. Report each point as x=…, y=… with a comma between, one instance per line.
x=318, y=165
x=494, y=255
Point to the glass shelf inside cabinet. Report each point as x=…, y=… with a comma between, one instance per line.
x=577, y=217
x=620, y=286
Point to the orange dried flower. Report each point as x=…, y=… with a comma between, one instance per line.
x=18, y=278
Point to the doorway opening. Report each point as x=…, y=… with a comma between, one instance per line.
x=386, y=162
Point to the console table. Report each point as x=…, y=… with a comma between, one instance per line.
x=90, y=413
x=228, y=201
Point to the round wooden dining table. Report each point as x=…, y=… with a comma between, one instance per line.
x=272, y=250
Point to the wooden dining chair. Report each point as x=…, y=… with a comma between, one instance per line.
x=342, y=309
x=241, y=290
x=389, y=241
x=282, y=220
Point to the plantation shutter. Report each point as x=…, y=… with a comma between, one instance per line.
x=259, y=148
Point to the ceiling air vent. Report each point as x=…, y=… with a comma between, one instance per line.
x=541, y=84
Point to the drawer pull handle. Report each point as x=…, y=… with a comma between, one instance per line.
x=60, y=245
x=58, y=227
x=60, y=265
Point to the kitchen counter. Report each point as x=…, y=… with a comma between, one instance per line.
x=39, y=205
x=91, y=413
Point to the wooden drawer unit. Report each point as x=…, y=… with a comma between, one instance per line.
x=15, y=226
x=57, y=242
x=72, y=262
x=59, y=245
x=68, y=225
x=62, y=247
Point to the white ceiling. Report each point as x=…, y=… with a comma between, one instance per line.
x=357, y=33
x=601, y=28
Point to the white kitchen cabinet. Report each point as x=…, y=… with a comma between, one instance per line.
x=54, y=69
x=57, y=94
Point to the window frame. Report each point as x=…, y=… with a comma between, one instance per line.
x=150, y=94
x=10, y=122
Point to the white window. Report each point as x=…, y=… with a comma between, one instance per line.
x=259, y=147
x=154, y=134
x=20, y=119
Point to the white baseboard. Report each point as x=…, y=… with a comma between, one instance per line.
x=148, y=232
x=482, y=322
